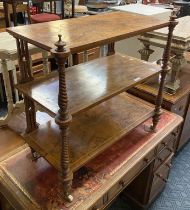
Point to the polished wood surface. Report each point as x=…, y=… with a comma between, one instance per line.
x=91, y=83
x=92, y=132
x=34, y=184
x=87, y=32
x=152, y=87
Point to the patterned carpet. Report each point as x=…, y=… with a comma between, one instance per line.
x=176, y=195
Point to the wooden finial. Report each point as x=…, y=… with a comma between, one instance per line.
x=60, y=44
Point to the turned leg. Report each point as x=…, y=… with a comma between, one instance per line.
x=145, y=52
x=111, y=49
x=63, y=119
x=177, y=62
x=165, y=70
x=8, y=92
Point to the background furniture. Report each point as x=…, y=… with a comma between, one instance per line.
x=8, y=56
x=13, y=7
x=184, y=7
x=133, y=44
x=178, y=103
x=180, y=44
x=98, y=183
x=46, y=11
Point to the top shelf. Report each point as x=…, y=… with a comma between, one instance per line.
x=90, y=83
x=84, y=33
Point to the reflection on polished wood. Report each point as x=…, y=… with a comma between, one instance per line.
x=92, y=132
x=91, y=83
x=107, y=28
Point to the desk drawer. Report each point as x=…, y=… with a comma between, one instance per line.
x=167, y=140
x=160, y=178
x=164, y=153
x=123, y=182
x=180, y=107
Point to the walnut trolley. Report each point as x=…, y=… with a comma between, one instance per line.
x=88, y=111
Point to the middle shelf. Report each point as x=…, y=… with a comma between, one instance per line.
x=90, y=83
x=91, y=132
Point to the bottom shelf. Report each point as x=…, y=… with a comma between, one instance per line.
x=91, y=132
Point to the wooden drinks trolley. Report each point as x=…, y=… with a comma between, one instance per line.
x=90, y=114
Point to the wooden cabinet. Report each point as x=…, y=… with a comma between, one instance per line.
x=144, y=189
x=178, y=103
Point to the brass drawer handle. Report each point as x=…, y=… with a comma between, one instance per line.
x=161, y=177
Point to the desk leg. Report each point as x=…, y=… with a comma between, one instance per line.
x=177, y=62
x=145, y=52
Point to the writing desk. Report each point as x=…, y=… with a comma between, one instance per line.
x=34, y=185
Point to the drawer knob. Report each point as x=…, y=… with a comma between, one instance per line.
x=146, y=160
x=169, y=149
x=169, y=165
x=164, y=144
x=174, y=134
x=160, y=159
x=161, y=177
x=95, y=208
x=122, y=183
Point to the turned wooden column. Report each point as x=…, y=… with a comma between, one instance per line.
x=165, y=70
x=145, y=52
x=63, y=119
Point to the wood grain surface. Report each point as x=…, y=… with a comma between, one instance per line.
x=92, y=132
x=91, y=83
x=87, y=32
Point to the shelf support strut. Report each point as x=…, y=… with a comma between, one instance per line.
x=63, y=118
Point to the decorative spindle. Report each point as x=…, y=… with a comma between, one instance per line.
x=165, y=70
x=63, y=118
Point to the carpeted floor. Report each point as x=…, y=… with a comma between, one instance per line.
x=176, y=195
